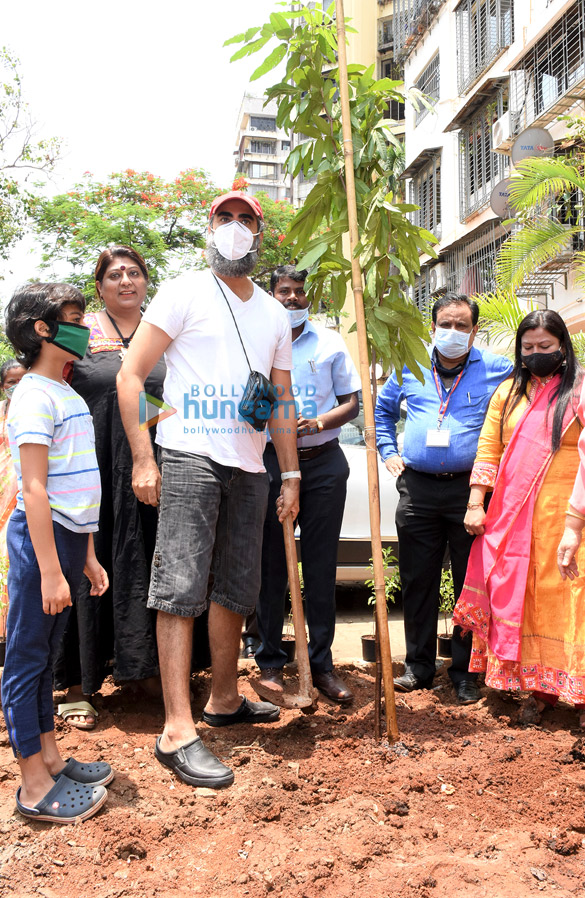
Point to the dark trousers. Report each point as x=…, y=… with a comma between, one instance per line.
x=429, y=518
x=323, y=489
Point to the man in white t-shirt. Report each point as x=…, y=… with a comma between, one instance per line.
x=214, y=327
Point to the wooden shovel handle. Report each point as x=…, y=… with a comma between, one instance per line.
x=305, y=679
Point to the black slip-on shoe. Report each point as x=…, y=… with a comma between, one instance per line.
x=195, y=765
x=248, y=712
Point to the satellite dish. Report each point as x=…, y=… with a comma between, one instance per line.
x=500, y=200
x=532, y=142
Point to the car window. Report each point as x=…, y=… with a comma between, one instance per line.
x=352, y=433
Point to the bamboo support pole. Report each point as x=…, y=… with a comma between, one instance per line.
x=370, y=434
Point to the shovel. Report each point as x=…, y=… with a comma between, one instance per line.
x=306, y=694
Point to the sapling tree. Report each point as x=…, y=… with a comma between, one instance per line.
x=390, y=245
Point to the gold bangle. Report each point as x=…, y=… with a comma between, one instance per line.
x=574, y=514
x=475, y=504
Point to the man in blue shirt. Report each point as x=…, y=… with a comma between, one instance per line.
x=325, y=385
x=444, y=417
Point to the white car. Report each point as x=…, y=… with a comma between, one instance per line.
x=355, y=550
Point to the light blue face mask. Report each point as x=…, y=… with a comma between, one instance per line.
x=297, y=316
x=9, y=391
x=451, y=343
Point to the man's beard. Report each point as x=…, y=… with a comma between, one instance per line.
x=230, y=269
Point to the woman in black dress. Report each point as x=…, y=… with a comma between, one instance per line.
x=116, y=632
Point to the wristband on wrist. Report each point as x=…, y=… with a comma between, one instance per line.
x=475, y=504
x=290, y=475
x=320, y=425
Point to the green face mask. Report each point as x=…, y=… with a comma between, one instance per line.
x=73, y=338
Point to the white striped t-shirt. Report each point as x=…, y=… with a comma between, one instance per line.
x=51, y=413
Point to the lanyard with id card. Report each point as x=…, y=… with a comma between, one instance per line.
x=438, y=438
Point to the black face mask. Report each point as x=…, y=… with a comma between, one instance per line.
x=543, y=363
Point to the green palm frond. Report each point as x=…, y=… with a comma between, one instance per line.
x=538, y=179
x=500, y=313
x=579, y=261
x=539, y=241
x=578, y=341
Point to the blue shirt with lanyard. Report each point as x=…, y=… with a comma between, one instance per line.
x=442, y=423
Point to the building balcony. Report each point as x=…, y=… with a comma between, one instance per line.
x=549, y=79
x=411, y=19
x=269, y=158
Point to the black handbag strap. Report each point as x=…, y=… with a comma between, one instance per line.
x=235, y=322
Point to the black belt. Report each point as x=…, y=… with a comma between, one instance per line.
x=311, y=451
x=440, y=476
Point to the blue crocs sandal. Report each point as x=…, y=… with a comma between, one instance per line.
x=97, y=774
x=66, y=802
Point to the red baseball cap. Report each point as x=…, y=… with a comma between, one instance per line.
x=251, y=201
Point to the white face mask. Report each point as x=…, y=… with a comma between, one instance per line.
x=297, y=316
x=451, y=343
x=233, y=240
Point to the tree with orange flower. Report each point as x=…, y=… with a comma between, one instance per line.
x=164, y=220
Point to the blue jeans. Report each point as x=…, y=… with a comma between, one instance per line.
x=210, y=521
x=32, y=635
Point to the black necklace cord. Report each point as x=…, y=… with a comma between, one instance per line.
x=125, y=340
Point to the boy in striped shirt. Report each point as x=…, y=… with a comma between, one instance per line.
x=50, y=545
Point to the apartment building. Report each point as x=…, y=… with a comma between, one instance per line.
x=261, y=149
x=493, y=68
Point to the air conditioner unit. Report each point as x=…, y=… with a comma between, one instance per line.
x=438, y=277
x=502, y=138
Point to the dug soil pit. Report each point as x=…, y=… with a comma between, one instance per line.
x=467, y=803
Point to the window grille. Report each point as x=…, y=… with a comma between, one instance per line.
x=268, y=147
x=391, y=69
x=425, y=192
x=479, y=168
x=484, y=28
x=410, y=20
x=271, y=192
x=259, y=170
x=428, y=83
x=385, y=36
x=471, y=264
x=553, y=67
x=420, y=294
x=262, y=123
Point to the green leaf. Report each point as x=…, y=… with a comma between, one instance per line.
x=311, y=256
x=537, y=242
x=271, y=61
x=245, y=36
x=248, y=49
x=280, y=25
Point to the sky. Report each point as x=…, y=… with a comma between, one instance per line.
x=133, y=84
